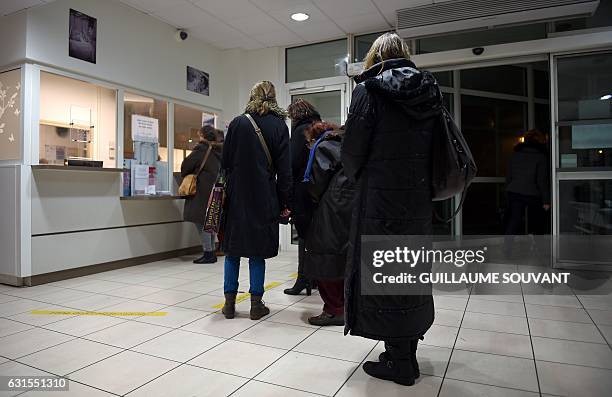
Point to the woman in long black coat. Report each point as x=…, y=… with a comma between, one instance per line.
x=326, y=241
x=302, y=115
x=257, y=194
x=387, y=150
x=195, y=207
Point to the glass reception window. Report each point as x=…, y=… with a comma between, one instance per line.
x=145, y=145
x=10, y=115
x=316, y=61
x=77, y=121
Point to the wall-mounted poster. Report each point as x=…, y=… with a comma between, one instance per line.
x=197, y=81
x=209, y=119
x=82, y=36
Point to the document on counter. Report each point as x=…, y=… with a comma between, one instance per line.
x=140, y=179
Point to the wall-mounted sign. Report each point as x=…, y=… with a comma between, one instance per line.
x=82, y=35
x=145, y=129
x=198, y=81
x=209, y=119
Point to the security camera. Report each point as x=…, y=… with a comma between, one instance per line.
x=477, y=51
x=181, y=35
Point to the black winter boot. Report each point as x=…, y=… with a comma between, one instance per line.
x=398, y=368
x=301, y=283
x=208, y=257
x=258, y=308
x=229, y=308
x=385, y=356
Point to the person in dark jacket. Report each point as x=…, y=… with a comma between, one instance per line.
x=528, y=184
x=326, y=242
x=257, y=194
x=302, y=115
x=195, y=207
x=387, y=149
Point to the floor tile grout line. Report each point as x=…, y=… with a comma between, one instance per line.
x=450, y=357
x=356, y=368
x=595, y=324
x=535, y=363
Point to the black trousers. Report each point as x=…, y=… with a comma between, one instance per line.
x=517, y=204
x=301, y=256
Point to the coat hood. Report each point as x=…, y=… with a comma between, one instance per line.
x=399, y=80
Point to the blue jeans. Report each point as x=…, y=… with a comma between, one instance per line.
x=257, y=271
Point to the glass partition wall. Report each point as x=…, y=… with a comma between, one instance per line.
x=583, y=160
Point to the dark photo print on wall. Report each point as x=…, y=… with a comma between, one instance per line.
x=82, y=36
x=197, y=81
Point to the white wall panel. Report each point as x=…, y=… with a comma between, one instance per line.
x=68, y=251
x=72, y=200
x=9, y=211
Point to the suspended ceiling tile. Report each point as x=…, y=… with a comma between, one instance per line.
x=363, y=23
x=345, y=8
x=12, y=6
x=152, y=6
x=260, y=24
x=183, y=16
x=229, y=9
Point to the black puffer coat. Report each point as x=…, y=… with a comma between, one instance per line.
x=302, y=206
x=195, y=207
x=333, y=194
x=528, y=171
x=387, y=150
x=255, y=195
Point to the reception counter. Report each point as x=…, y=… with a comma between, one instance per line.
x=71, y=221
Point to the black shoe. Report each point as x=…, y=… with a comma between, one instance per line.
x=300, y=284
x=326, y=319
x=208, y=257
x=398, y=368
x=386, y=356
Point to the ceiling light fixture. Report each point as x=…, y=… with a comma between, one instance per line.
x=606, y=97
x=300, y=16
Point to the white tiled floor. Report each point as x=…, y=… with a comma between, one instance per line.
x=494, y=346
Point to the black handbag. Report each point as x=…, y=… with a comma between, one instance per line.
x=453, y=167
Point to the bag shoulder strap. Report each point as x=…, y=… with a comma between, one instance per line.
x=204, y=160
x=261, y=140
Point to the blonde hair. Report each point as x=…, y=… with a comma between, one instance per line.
x=262, y=100
x=387, y=46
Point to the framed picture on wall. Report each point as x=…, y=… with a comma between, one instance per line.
x=82, y=35
x=197, y=81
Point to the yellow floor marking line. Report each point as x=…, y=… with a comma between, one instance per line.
x=246, y=295
x=82, y=313
x=293, y=275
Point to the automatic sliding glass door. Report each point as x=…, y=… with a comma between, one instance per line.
x=583, y=161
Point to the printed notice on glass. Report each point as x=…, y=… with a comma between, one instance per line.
x=145, y=129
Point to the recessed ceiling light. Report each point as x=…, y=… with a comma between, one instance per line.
x=300, y=16
x=606, y=97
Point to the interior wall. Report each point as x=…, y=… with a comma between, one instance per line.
x=246, y=68
x=133, y=49
x=12, y=39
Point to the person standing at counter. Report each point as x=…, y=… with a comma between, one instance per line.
x=195, y=206
x=257, y=163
